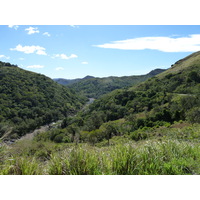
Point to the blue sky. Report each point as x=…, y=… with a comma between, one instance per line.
x=74, y=51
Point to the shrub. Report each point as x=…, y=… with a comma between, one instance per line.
x=139, y=135
x=193, y=115
x=58, y=138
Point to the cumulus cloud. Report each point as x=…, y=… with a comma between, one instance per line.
x=64, y=56
x=59, y=68
x=35, y=67
x=32, y=30
x=30, y=49
x=13, y=26
x=190, y=43
x=84, y=63
x=47, y=34
x=4, y=57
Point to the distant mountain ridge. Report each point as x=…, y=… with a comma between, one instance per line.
x=164, y=99
x=95, y=87
x=63, y=81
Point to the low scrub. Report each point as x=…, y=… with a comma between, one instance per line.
x=146, y=157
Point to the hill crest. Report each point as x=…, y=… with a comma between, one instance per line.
x=189, y=61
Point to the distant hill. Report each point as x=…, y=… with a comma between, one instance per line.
x=96, y=87
x=168, y=97
x=63, y=81
x=29, y=100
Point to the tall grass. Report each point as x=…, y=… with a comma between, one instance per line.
x=20, y=166
x=168, y=157
x=78, y=160
x=149, y=157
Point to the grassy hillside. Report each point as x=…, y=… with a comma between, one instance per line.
x=189, y=61
x=96, y=87
x=29, y=100
x=166, y=151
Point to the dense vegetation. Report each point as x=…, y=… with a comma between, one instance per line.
x=29, y=100
x=63, y=81
x=160, y=100
x=165, y=151
x=149, y=128
x=96, y=87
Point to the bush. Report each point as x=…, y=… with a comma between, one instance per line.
x=59, y=138
x=139, y=135
x=193, y=115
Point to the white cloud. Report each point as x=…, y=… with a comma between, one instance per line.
x=47, y=34
x=21, y=58
x=74, y=26
x=84, y=63
x=4, y=57
x=59, y=68
x=13, y=26
x=32, y=30
x=35, y=67
x=30, y=49
x=165, y=44
x=41, y=52
x=64, y=56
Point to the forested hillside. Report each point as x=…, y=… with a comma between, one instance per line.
x=63, y=81
x=168, y=97
x=149, y=128
x=29, y=100
x=96, y=87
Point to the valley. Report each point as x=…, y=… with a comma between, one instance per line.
x=132, y=125
x=92, y=87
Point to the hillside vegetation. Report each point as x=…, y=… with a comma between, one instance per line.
x=158, y=101
x=191, y=60
x=29, y=100
x=65, y=82
x=176, y=152
x=96, y=87
x=150, y=128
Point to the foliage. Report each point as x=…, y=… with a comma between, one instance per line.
x=124, y=157
x=138, y=130
x=96, y=87
x=29, y=100
x=193, y=115
x=156, y=102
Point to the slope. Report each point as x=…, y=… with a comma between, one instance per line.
x=63, y=81
x=96, y=87
x=29, y=100
x=171, y=96
x=189, y=61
